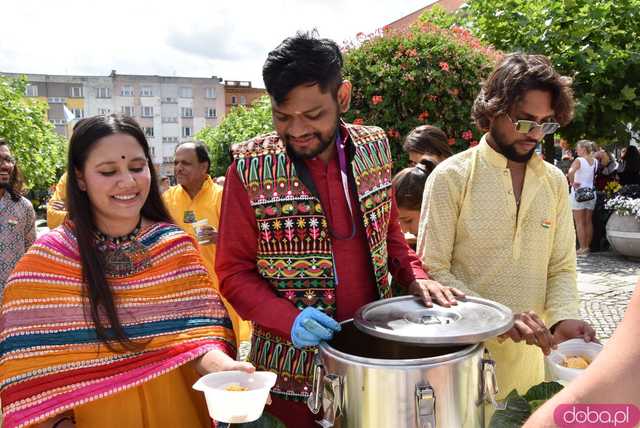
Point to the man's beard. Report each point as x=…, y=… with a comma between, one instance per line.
x=5, y=185
x=509, y=150
x=311, y=152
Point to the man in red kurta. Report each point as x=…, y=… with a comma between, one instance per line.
x=309, y=229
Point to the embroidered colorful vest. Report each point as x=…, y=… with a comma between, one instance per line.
x=294, y=244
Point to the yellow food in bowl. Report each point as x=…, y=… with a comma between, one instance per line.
x=576, y=362
x=235, y=387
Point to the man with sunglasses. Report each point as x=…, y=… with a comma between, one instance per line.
x=17, y=217
x=496, y=221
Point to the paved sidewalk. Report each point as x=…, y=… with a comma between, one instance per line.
x=606, y=281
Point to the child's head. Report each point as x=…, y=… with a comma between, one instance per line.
x=408, y=187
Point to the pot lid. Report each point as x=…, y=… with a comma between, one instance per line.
x=406, y=319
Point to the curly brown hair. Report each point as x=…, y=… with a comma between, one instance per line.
x=16, y=182
x=517, y=74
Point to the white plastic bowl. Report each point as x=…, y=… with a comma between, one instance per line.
x=236, y=406
x=570, y=348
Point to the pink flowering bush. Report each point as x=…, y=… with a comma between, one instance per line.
x=427, y=75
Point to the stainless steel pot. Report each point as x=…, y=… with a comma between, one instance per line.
x=368, y=382
x=365, y=380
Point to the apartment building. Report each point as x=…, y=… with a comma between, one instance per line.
x=171, y=110
x=240, y=93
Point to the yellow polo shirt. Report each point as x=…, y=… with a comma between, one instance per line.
x=473, y=236
x=206, y=205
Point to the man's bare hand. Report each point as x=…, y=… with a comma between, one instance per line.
x=432, y=291
x=57, y=205
x=529, y=327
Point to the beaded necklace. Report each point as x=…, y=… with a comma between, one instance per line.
x=122, y=256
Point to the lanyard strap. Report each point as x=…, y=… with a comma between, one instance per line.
x=342, y=160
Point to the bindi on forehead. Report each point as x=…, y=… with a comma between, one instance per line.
x=123, y=157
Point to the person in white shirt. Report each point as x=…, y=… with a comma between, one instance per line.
x=581, y=176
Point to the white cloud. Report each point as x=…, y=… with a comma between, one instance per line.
x=229, y=39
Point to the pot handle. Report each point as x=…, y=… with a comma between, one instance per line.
x=331, y=400
x=425, y=407
x=490, y=385
x=314, y=401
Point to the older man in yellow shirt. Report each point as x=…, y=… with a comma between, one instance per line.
x=195, y=206
x=496, y=221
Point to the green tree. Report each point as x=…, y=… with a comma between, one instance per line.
x=33, y=141
x=428, y=75
x=596, y=42
x=241, y=124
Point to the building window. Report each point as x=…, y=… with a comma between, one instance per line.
x=128, y=110
x=210, y=113
x=103, y=92
x=186, y=92
x=76, y=92
x=169, y=120
x=169, y=139
x=104, y=111
x=146, y=91
x=169, y=100
x=147, y=111
x=31, y=91
x=234, y=100
x=186, y=131
x=152, y=150
x=58, y=121
x=243, y=100
x=56, y=100
x=210, y=93
x=78, y=113
x=187, y=112
x=126, y=91
x=148, y=132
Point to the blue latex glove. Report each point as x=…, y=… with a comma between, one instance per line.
x=311, y=326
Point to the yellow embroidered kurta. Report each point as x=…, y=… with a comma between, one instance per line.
x=472, y=236
x=55, y=217
x=206, y=205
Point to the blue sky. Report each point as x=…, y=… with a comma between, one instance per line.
x=229, y=39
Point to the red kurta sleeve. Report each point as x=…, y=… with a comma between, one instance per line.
x=404, y=264
x=240, y=283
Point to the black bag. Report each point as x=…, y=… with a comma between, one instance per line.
x=585, y=194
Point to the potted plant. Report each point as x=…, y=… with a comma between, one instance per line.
x=623, y=227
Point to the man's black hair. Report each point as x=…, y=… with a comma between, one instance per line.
x=303, y=59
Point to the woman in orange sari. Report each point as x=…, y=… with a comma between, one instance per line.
x=108, y=319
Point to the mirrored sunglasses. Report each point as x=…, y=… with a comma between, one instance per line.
x=526, y=126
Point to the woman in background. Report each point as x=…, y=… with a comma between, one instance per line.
x=629, y=172
x=581, y=175
x=427, y=142
x=408, y=189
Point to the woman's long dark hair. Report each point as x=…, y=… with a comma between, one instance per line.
x=631, y=160
x=85, y=135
